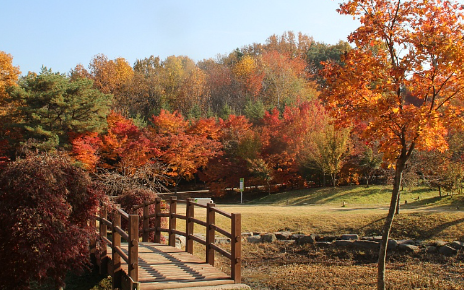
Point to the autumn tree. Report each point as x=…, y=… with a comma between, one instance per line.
x=325, y=151
x=404, y=79
x=49, y=107
x=221, y=84
x=183, y=148
x=285, y=80
x=45, y=209
x=9, y=75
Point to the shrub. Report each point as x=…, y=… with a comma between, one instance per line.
x=45, y=206
x=131, y=198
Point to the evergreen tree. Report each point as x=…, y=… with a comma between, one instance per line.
x=50, y=106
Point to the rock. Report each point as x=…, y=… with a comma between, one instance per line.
x=447, y=251
x=371, y=245
x=431, y=249
x=180, y=241
x=456, y=245
x=247, y=234
x=296, y=236
x=311, y=239
x=408, y=248
x=392, y=245
x=343, y=243
x=268, y=238
x=221, y=240
x=406, y=242
x=440, y=243
x=254, y=239
x=350, y=237
x=283, y=235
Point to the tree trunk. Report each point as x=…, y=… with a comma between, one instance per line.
x=398, y=204
x=388, y=222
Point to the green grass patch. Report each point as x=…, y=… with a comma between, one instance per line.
x=359, y=195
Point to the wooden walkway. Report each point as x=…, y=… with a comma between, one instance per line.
x=165, y=267
x=149, y=264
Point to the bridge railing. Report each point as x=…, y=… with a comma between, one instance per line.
x=210, y=227
x=132, y=238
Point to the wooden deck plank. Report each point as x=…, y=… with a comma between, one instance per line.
x=165, y=267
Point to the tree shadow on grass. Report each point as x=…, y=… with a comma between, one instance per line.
x=438, y=202
x=434, y=231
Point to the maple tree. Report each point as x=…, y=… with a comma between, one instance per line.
x=404, y=79
x=183, y=148
x=45, y=207
x=125, y=147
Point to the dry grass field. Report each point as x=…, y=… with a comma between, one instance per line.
x=287, y=266
x=282, y=265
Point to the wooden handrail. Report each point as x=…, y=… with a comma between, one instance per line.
x=152, y=223
x=234, y=255
x=132, y=237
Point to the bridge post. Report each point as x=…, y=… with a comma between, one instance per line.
x=103, y=234
x=210, y=233
x=93, y=240
x=190, y=213
x=157, y=220
x=172, y=221
x=146, y=223
x=116, y=257
x=133, y=244
x=236, y=248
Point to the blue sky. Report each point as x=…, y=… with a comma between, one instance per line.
x=60, y=34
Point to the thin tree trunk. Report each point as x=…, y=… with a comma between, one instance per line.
x=398, y=204
x=388, y=222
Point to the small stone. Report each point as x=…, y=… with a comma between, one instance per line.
x=447, y=251
x=406, y=242
x=456, y=245
x=431, y=249
x=222, y=240
x=440, y=243
x=296, y=236
x=311, y=239
x=268, y=238
x=283, y=235
x=247, y=234
x=372, y=245
x=180, y=241
x=392, y=244
x=408, y=248
x=350, y=237
x=254, y=239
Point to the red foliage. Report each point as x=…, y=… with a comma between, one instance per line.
x=125, y=147
x=135, y=197
x=45, y=204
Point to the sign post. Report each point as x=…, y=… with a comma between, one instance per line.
x=242, y=187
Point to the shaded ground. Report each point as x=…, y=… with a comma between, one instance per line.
x=281, y=266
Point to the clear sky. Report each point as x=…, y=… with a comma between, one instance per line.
x=60, y=34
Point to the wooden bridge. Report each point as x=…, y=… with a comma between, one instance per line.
x=150, y=264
